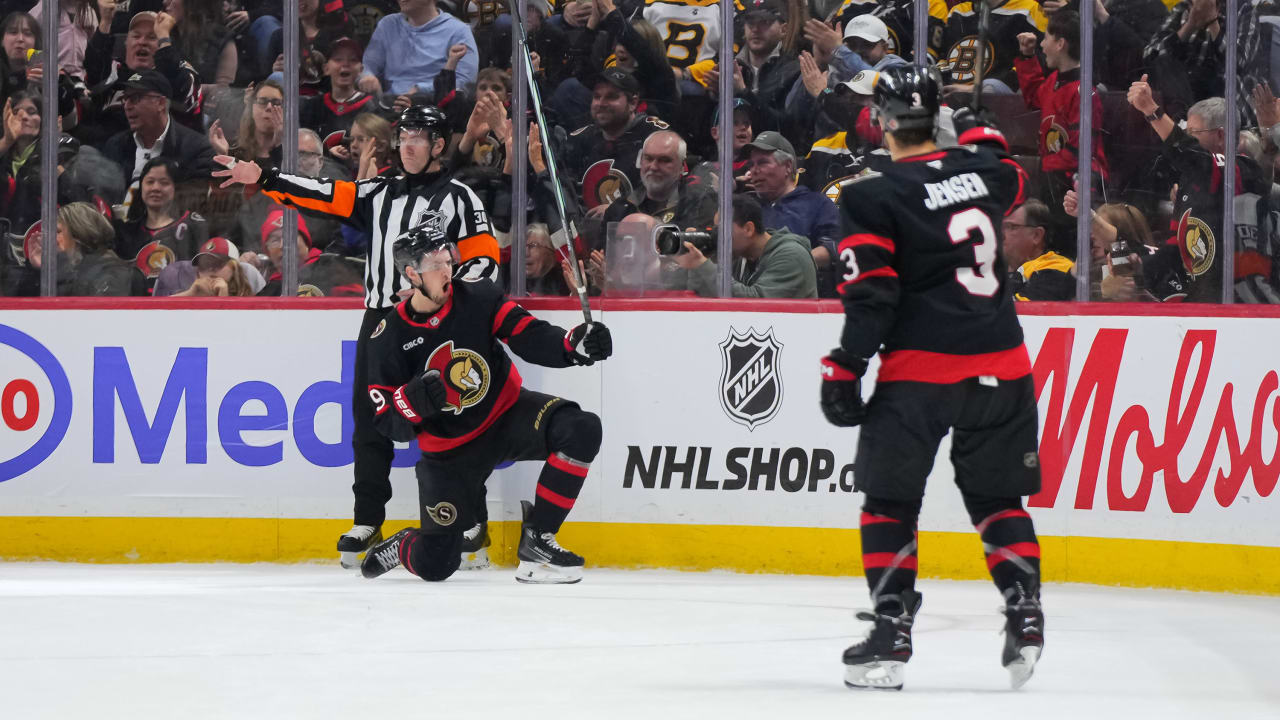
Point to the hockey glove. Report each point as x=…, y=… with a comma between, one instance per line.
x=588, y=343
x=977, y=126
x=842, y=389
x=421, y=397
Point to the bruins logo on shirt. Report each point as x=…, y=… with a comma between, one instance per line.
x=602, y=183
x=1055, y=138
x=1196, y=243
x=962, y=58
x=465, y=375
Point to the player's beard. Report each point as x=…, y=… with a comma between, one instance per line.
x=441, y=297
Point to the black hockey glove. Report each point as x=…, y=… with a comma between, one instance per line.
x=965, y=119
x=587, y=343
x=842, y=389
x=421, y=397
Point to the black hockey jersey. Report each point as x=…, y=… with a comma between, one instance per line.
x=924, y=282
x=604, y=169
x=461, y=341
x=331, y=119
x=958, y=53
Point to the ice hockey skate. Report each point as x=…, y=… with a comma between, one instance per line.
x=475, y=543
x=879, y=661
x=542, y=560
x=385, y=556
x=1023, y=638
x=356, y=541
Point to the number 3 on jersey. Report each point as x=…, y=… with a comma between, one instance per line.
x=980, y=278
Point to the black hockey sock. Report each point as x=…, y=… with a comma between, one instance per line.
x=888, y=559
x=1013, y=553
x=558, y=487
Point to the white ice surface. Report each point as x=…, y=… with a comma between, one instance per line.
x=311, y=641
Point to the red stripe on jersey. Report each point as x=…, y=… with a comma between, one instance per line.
x=1023, y=550
x=403, y=407
x=501, y=317
x=869, y=519
x=1002, y=515
x=520, y=326
x=884, y=560
x=554, y=498
x=1022, y=186
x=510, y=391
x=983, y=134
x=878, y=272
x=926, y=157
x=434, y=320
x=932, y=367
x=832, y=370
x=867, y=239
x=573, y=469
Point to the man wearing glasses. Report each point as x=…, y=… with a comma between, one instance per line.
x=385, y=208
x=152, y=132
x=1036, y=272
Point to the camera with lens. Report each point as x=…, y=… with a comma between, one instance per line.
x=1120, y=250
x=670, y=240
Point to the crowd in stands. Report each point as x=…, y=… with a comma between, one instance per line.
x=149, y=91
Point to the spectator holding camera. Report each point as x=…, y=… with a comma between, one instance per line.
x=1120, y=245
x=767, y=263
x=1037, y=272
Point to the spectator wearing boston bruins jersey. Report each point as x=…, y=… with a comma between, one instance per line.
x=689, y=28
x=899, y=18
x=958, y=51
x=1038, y=273
x=601, y=157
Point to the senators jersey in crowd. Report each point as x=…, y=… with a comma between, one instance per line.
x=1057, y=97
x=604, y=169
x=461, y=341
x=958, y=51
x=924, y=282
x=332, y=119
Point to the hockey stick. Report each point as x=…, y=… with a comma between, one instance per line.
x=979, y=71
x=569, y=230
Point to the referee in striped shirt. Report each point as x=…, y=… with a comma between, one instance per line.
x=385, y=208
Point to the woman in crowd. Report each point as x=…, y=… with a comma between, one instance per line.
x=370, y=153
x=20, y=161
x=157, y=229
x=87, y=266
x=77, y=20
x=217, y=276
x=21, y=35
x=261, y=127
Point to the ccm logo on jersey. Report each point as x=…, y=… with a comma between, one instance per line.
x=962, y=187
x=413, y=343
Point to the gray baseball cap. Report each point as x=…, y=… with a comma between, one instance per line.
x=771, y=141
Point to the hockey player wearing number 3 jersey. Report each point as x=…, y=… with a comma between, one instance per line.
x=438, y=374
x=924, y=286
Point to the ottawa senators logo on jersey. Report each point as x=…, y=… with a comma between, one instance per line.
x=152, y=258
x=602, y=183
x=962, y=59
x=1196, y=243
x=465, y=375
x=1055, y=138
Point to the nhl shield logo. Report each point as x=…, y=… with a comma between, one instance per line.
x=750, y=384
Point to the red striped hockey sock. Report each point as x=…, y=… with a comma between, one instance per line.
x=889, y=560
x=558, y=487
x=1013, y=553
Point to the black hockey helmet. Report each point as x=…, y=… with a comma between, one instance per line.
x=428, y=118
x=428, y=237
x=907, y=97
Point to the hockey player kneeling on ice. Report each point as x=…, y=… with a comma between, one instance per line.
x=924, y=285
x=439, y=374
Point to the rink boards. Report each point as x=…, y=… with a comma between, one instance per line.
x=193, y=432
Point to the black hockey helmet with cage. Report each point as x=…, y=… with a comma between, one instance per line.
x=428, y=118
x=907, y=97
x=427, y=238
